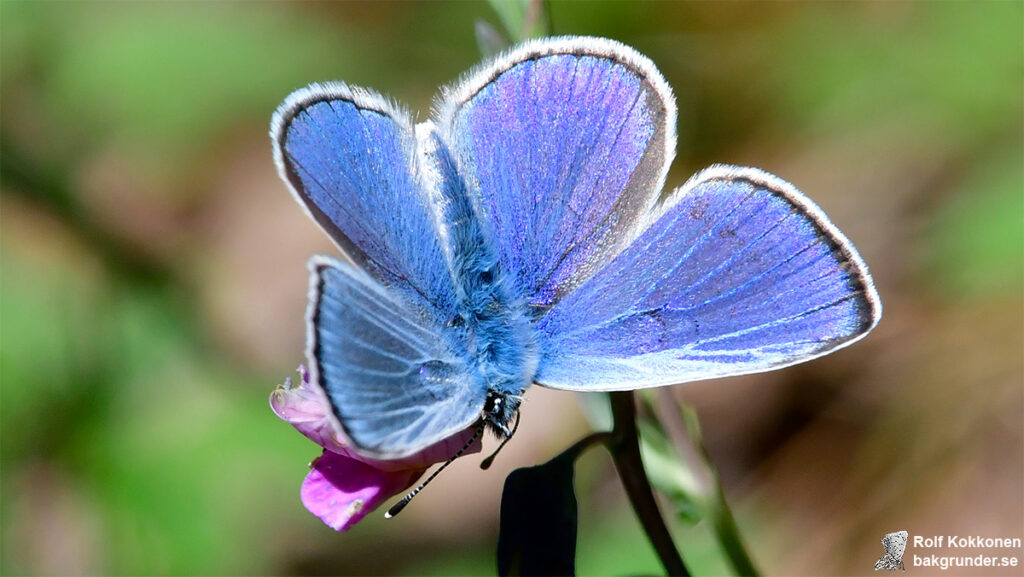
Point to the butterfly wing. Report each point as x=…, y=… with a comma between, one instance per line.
x=737, y=272
x=378, y=341
x=564, y=144
x=351, y=159
x=395, y=383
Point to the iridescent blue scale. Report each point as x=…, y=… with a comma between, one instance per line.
x=517, y=237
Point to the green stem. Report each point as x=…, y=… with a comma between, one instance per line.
x=728, y=534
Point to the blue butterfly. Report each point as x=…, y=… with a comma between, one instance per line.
x=519, y=237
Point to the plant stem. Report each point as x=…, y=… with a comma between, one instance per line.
x=728, y=534
x=574, y=451
x=624, y=447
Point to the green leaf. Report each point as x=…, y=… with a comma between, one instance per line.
x=598, y=410
x=522, y=19
x=489, y=39
x=667, y=473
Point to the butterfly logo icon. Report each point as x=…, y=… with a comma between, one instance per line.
x=894, y=545
x=520, y=236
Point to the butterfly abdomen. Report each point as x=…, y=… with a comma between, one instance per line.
x=496, y=331
x=500, y=341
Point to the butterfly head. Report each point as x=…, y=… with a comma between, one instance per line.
x=498, y=412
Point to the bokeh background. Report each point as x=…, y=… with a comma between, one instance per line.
x=153, y=283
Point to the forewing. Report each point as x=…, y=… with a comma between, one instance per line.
x=738, y=273
x=564, y=145
x=351, y=160
x=392, y=373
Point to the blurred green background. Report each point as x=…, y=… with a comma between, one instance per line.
x=153, y=283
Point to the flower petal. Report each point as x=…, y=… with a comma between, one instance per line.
x=306, y=409
x=439, y=452
x=341, y=490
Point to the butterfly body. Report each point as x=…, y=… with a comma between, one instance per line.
x=492, y=327
x=520, y=236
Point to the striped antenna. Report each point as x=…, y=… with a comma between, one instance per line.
x=405, y=500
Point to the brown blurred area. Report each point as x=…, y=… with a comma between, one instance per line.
x=154, y=284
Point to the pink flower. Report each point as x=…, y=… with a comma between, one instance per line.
x=344, y=486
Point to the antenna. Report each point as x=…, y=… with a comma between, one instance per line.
x=405, y=500
x=486, y=463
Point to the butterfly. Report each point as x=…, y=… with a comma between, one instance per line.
x=519, y=237
x=894, y=544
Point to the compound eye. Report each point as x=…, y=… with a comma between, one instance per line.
x=493, y=404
